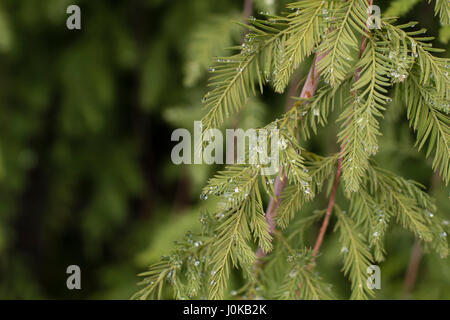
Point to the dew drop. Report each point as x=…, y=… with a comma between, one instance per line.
x=198, y=243
x=428, y=213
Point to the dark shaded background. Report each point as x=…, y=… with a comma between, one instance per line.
x=85, y=124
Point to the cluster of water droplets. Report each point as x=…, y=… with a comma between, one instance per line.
x=414, y=53
x=307, y=187
x=381, y=217
x=401, y=64
x=371, y=148
x=295, y=257
x=204, y=196
x=443, y=234
x=249, y=46
x=325, y=14
x=270, y=181
x=211, y=190
x=296, y=11
x=316, y=112
x=212, y=274
x=379, y=227
x=231, y=195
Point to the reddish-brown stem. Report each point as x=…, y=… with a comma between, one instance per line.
x=330, y=207
x=332, y=200
x=413, y=267
x=309, y=88
x=417, y=251
x=248, y=9
x=308, y=91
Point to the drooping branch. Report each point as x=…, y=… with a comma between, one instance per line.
x=332, y=200
x=417, y=251
x=330, y=207
x=309, y=89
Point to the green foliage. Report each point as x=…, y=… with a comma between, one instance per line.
x=5, y=31
x=358, y=66
x=360, y=126
x=82, y=173
x=205, y=44
x=86, y=178
x=357, y=256
x=399, y=8
x=426, y=93
x=431, y=124
x=241, y=216
x=298, y=40
x=347, y=22
x=233, y=78
x=444, y=34
x=301, y=283
x=442, y=8
x=315, y=111
x=293, y=198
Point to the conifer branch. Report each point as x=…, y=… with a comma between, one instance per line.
x=272, y=50
x=357, y=256
x=442, y=8
x=330, y=207
x=302, y=35
x=332, y=200
x=309, y=89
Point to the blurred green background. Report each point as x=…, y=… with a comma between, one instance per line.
x=85, y=123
